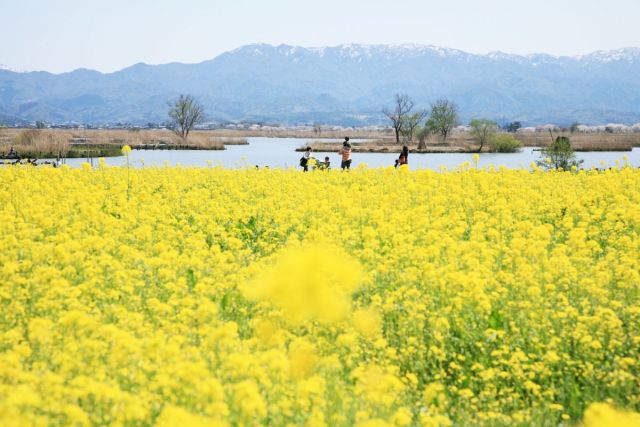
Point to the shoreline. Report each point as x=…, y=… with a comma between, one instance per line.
x=386, y=149
x=456, y=146
x=77, y=143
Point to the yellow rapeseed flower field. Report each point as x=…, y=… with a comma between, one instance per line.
x=186, y=296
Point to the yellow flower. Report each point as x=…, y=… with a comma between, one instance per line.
x=248, y=399
x=302, y=359
x=605, y=415
x=367, y=322
x=402, y=417
x=211, y=296
x=313, y=282
x=173, y=415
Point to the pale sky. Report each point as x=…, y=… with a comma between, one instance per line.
x=108, y=35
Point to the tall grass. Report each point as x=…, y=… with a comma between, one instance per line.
x=35, y=143
x=600, y=141
x=68, y=143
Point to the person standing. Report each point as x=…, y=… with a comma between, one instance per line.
x=346, y=154
x=404, y=157
x=304, y=161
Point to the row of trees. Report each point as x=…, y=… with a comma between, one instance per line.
x=186, y=112
x=440, y=120
x=406, y=123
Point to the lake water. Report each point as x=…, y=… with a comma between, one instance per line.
x=280, y=153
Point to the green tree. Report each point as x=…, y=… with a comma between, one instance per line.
x=443, y=118
x=482, y=131
x=40, y=124
x=513, y=127
x=411, y=123
x=185, y=113
x=559, y=155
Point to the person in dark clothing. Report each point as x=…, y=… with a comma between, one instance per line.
x=304, y=161
x=404, y=157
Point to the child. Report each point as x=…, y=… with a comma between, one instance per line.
x=346, y=154
x=326, y=165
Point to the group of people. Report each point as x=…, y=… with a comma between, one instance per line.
x=345, y=153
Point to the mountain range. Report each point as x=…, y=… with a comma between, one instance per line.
x=346, y=84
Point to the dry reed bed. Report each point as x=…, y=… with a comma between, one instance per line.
x=62, y=141
x=463, y=142
x=389, y=147
x=599, y=141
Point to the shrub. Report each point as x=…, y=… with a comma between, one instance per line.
x=505, y=143
x=559, y=155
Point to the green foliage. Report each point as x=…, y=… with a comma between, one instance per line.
x=513, y=127
x=559, y=155
x=410, y=125
x=505, y=143
x=482, y=131
x=443, y=118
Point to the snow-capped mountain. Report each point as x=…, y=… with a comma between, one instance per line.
x=346, y=84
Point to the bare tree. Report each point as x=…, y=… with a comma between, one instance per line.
x=444, y=117
x=185, y=113
x=411, y=124
x=403, y=106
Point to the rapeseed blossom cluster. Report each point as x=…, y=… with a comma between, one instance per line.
x=184, y=296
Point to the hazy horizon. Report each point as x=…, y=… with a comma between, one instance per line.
x=109, y=36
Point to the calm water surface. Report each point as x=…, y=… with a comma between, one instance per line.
x=279, y=153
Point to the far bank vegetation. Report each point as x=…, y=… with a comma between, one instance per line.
x=438, y=129
x=52, y=143
x=185, y=113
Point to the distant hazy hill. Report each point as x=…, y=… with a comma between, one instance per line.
x=346, y=84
